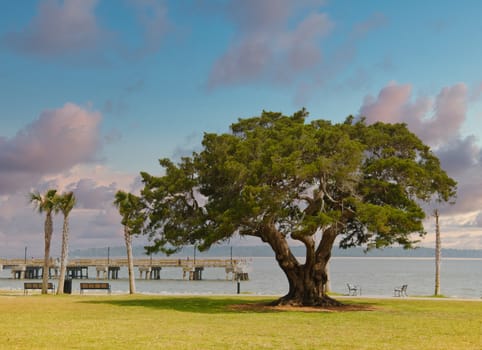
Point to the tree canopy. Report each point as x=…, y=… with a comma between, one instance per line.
x=280, y=177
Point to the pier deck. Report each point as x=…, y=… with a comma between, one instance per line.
x=108, y=268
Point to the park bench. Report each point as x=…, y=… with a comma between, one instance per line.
x=400, y=291
x=353, y=289
x=94, y=285
x=36, y=285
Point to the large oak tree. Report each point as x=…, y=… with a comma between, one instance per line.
x=284, y=179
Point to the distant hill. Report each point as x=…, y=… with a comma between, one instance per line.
x=265, y=251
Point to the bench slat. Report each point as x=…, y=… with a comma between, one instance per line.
x=95, y=285
x=36, y=285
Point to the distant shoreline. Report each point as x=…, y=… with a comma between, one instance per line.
x=265, y=251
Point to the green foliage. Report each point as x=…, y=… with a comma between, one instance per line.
x=44, y=203
x=65, y=202
x=364, y=182
x=130, y=208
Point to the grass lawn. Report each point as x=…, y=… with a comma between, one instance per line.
x=175, y=322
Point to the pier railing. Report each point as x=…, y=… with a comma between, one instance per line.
x=166, y=262
x=78, y=267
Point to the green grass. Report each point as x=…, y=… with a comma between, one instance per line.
x=174, y=322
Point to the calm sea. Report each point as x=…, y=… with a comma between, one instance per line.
x=377, y=277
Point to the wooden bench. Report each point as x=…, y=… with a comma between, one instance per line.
x=400, y=291
x=353, y=289
x=36, y=285
x=94, y=285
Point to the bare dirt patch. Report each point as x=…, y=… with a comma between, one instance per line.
x=269, y=308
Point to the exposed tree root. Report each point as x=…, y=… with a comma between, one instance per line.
x=324, y=301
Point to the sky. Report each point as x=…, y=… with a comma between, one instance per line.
x=94, y=91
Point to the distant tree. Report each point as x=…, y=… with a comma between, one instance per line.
x=64, y=203
x=130, y=208
x=45, y=204
x=279, y=178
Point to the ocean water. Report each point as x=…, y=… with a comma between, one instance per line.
x=460, y=277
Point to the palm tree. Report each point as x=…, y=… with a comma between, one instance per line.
x=45, y=203
x=130, y=208
x=64, y=203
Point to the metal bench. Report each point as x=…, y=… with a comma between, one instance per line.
x=400, y=291
x=353, y=289
x=37, y=285
x=94, y=285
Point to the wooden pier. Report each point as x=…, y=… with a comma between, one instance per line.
x=148, y=268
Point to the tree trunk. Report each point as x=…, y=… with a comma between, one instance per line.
x=438, y=251
x=130, y=260
x=306, y=291
x=307, y=282
x=327, y=273
x=63, y=255
x=48, y=228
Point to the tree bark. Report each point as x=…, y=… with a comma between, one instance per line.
x=438, y=253
x=327, y=273
x=307, y=282
x=63, y=255
x=130, y=260
x=48, y=228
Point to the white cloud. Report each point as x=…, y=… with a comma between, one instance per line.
x=58, y=140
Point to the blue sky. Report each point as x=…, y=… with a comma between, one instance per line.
x=94, y=91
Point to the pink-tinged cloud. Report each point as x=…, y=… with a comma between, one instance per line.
x=55, y=142
x=303, y=44
x=437, y=120
x=152, y=16
x=270, y=44
x=460, y=156
x=59, y=28
x=69, y=30
x=388, y=106
x=94, y=221
x=376, y=20
x=256, y=16
x=91, y=195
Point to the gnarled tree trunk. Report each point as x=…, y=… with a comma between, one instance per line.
x=307, y=282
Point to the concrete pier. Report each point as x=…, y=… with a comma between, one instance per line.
x=235, y=269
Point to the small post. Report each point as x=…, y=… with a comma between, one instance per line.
x=231, y=255
x=438, y=250
x=25, y=258
x=194, y=255
x=108, y=255
x=239, y=285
